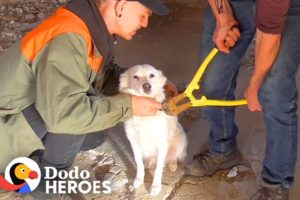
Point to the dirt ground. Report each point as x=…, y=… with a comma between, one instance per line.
x=171, y=45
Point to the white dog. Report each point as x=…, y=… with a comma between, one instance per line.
x=156, y=139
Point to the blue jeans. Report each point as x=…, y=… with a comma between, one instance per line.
x=278, y=94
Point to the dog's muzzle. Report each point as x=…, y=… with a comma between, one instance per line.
x=147, y=88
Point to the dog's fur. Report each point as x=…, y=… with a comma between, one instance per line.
x=156, y=139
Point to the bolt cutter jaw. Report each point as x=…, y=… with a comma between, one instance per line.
x=171, y=108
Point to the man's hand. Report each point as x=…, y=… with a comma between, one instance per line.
x=144, y=106
x=170, y=89
x=226, y=33
x=225, y=37
x=251, y=94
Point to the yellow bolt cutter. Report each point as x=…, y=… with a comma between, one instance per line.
x=170, y=105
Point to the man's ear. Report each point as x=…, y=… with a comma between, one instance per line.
x=119, y=6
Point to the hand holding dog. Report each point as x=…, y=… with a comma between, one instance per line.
x=144, y=106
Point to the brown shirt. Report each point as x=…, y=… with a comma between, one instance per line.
x=271, y=15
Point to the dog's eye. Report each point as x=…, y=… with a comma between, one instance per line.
x=136, y=77
x=151, y=75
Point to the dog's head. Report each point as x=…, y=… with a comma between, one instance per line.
x=143, y=80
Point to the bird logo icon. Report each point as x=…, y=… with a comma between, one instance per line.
x=21, y=175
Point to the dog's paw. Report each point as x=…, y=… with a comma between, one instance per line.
x=137, y=182
x=155, y=190
x=173, y=166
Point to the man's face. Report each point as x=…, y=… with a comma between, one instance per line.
x=134, y=17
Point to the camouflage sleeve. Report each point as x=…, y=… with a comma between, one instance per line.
x=62, y=75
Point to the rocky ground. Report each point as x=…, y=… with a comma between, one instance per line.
x=170, y=44
x=17, y=17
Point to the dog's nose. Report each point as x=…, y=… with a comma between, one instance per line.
x=146, y=87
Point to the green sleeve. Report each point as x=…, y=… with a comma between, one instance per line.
x=62, y=79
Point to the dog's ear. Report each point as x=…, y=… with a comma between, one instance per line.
x=123, y=81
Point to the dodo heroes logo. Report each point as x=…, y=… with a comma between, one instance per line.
x=22, y=175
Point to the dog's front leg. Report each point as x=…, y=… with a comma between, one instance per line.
x=161, y=157
x=140, y=170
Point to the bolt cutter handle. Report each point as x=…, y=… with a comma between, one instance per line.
x=194, y=84
x=210, y=102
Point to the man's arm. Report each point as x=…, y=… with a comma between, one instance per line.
x=270, y=20
x=266, y=50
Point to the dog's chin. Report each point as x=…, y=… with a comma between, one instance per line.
x=147, y=93
x=153, y=94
